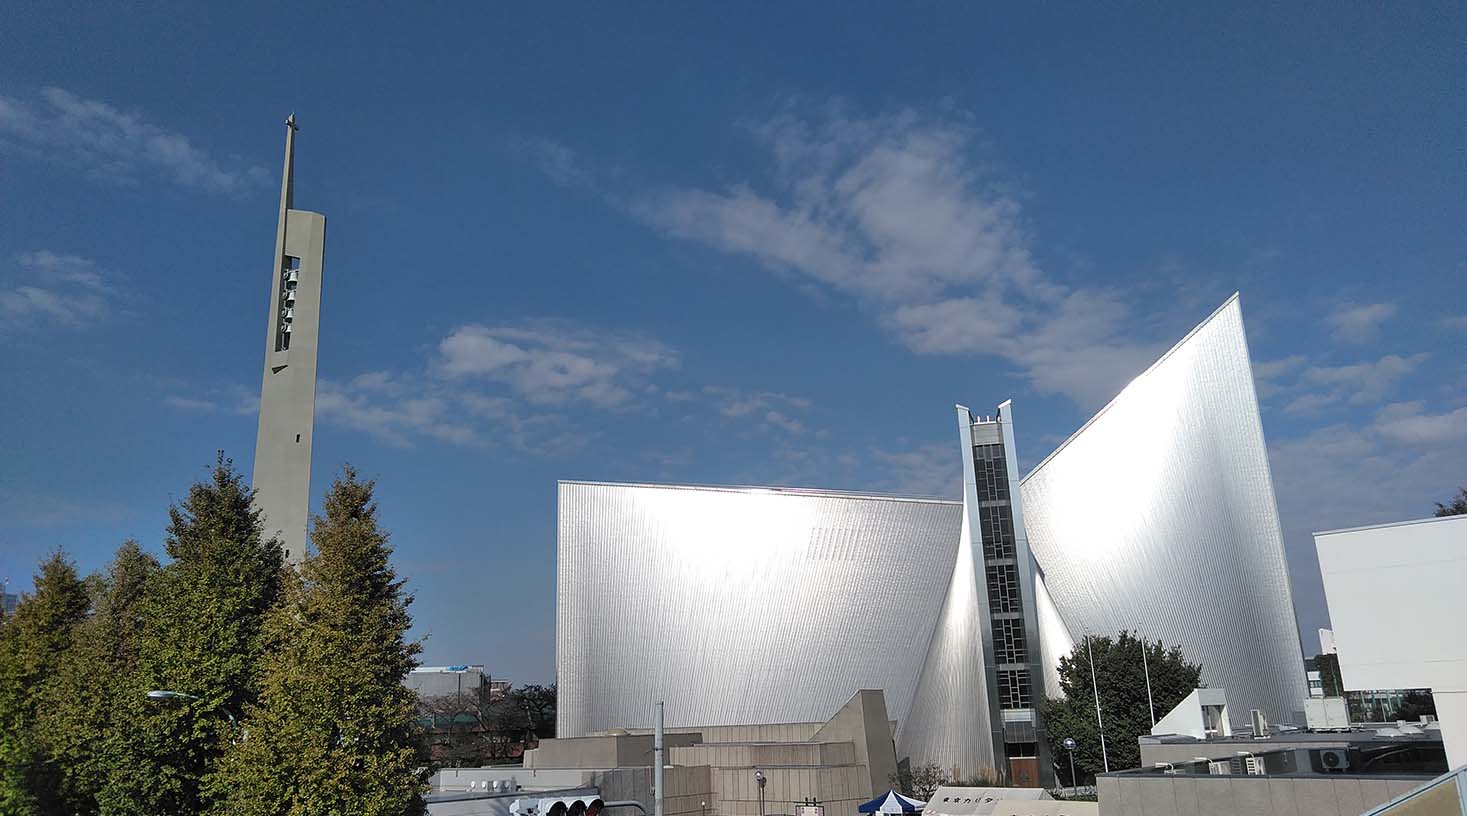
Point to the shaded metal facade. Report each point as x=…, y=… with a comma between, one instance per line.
x=1158, y=516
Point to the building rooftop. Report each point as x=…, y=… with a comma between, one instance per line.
x=765, y=489
x=1370, y=733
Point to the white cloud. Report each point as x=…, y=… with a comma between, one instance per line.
x=555, y=160
x=191, y=405
x=1457, y=323
x=1358, y=322
x=766, y=409
x=549, y=364
x=1407, y=423
x=1268, y=372
x=898, y=212
x=502, y=385
x=1362, y=383
x=1391, y=467
x=53, y=289
x=925, y=470
x=784, y=423
x=1386, y=468
x=107, y=143
x=393, y=417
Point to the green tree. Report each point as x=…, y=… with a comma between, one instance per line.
x=1328, y=666
x=80, y=715
x=333, y=731
x=1456, y=507
x=539, y=702
x=31, y=647
x=919, y=782
x=1121, y=679
x=201, y=635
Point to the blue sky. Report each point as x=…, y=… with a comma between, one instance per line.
x=716, y=244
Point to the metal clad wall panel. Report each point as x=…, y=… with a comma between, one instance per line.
x=1159, y=516
x=741, y=605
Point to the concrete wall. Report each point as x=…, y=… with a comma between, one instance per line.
x=751, y=755
x=862, y=721
x=1397, y=606
x=1136, y=795
x=622, y=751
x=840, y=789
x=686, y=788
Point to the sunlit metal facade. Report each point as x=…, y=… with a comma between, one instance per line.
x=758, y=605
x=1158, y=516
x=742, y=605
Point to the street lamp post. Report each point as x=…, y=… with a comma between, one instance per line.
x=160, y=694
x=760, y=779
x=1069, y=744
x=1095, y=688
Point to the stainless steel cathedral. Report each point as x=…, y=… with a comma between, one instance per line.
x=741, y=605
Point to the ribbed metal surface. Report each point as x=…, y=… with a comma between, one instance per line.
x=742, y=605
x=948, y=723
x=1159, y=516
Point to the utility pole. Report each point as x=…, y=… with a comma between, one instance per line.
x=657, y=772
x=1147, y=669
x=1095, y=687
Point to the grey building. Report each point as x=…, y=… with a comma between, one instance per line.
x=282, y=476
x=1278, y=782
x=445, y=681
x=757, y=605
x=8, y=602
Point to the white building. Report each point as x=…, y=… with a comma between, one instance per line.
x=739, y=605
x=1397, y=597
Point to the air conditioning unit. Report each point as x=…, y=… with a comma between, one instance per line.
x=1260, y=723
x=1220, y=768
x=1253, y=766
x=1334, y=759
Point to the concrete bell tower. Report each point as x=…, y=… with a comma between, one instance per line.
x=282, y=477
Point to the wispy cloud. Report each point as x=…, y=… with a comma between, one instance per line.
x=52, y=289
x=520, y=385
x=111, y=144
x=190, y=404
x=901, y=213
x=924, y=470
x=1363, y=383
x=548, y=363
x=765, y=409
x=1267, y=373
x=1390, y=466
x=232, y=399
x=1358, y=322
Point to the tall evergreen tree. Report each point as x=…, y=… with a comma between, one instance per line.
x=1120, y=676
x=31, y=647
x=1456, y=507
x=201, y=636
x=79, y=718
x=333, y=731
